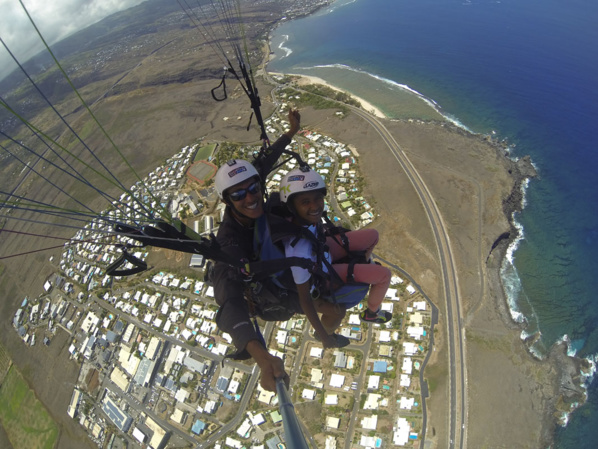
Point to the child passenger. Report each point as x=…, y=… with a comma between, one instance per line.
x=303, y=190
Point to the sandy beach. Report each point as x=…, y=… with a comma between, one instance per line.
x=514, y=399
x=470, y=179
x=306, y=79
x=511, y=396
x=474, y=182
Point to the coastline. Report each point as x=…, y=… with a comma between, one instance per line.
x=308, y=79
x=562, y=393
x=571, y=375
x=482, y=338
x=574, y=372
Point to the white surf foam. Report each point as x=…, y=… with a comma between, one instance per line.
x=589, y=375
x=571, y=351
x=510, y=254
x=287, y=51
x=536, y=351
x=337, y=5
x=404, y=87
x=512, y=288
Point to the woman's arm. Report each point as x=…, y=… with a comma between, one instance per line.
x=272, y=367
x=308, y=308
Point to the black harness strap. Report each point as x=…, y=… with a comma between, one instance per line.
x=223, y=85
x=138, y=264
x=262, y=269
x=350, y=270
x=183, y=239
x=177, y=237
x=249, y=297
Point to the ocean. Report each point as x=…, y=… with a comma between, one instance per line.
x=525, y=70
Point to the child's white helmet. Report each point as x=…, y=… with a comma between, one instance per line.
x=298, y=180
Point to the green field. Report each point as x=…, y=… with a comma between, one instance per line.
x=26, y=421
x=204, y=152
x=4, y=363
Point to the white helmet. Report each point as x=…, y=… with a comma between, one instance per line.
x=300, y=180
x=233, y=172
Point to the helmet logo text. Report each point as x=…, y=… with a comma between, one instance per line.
x=236, y=171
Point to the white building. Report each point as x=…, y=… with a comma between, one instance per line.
x=371, y=402
x=370, y=422
x=316, y=352
x=337, y=381
x=409, y=348
x=331, y=399
x=406, y=403
x=308, y=394
x=373, y=382
x=401, y=430
x=416, y=332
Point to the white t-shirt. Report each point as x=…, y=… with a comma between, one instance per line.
x=303, y=248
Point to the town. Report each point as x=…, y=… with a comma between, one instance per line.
x=153, y=368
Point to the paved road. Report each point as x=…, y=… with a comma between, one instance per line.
x=365, y=349
x=457, y=417
x=434, y=312
x=240, y=416
x=353, y=417
x=248, y=394
x=149, y=329
x=140, y=408
x=456, y=436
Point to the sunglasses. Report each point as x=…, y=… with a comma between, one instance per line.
x=239, y=195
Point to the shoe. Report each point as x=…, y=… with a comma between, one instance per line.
x=379, y=317
x=341, y=341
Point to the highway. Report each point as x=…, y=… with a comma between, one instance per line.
x=457, y=407
x=457, y=416
x=457, y=410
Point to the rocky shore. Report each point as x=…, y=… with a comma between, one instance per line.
x=479, y=188
x=570, y=392
x=514, y=399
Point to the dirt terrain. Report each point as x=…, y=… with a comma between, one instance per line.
x=470, y=179
x=150, y=116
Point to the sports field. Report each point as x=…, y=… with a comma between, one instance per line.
x=204, y=152
x=202, y=171
x=26, y=421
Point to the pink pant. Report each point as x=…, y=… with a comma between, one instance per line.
x=375, y=275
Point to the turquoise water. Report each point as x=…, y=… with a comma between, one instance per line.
x=525, y=69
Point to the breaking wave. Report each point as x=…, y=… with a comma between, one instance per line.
x=336, y=5
x=510, y=277
x=287, y=51
x=587, y=376
x=404, y=87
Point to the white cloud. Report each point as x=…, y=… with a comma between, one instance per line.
x=55, y=19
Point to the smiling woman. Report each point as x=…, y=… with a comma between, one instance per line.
x=347, y=254
x=60, y=177
x=71, y=176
